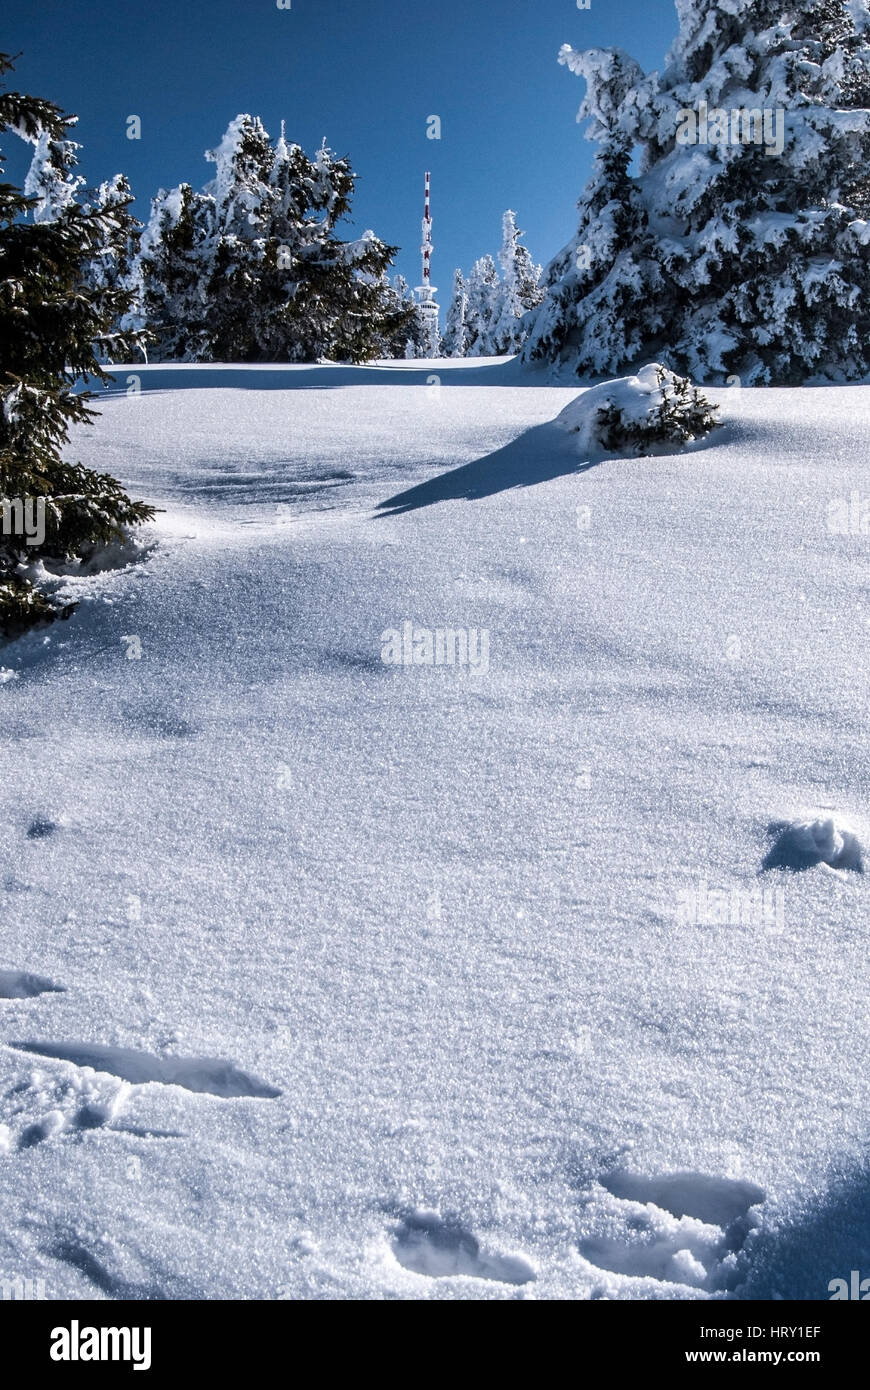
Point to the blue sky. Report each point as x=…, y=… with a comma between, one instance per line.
x=364, y=73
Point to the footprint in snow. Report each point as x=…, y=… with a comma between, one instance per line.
x=157, y=721
x=46, y=1128
x=717, y=1201
x=45, y=1107
x=441, y=1249
x=211, y=1075
x=803, y=844
x=18, y=984
x=71, y=1250
x=674, y=1228
x=40, y=828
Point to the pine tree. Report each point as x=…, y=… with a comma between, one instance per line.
x=603, y=288
x=114, y=268
x=51, y=180
x=243, y=284
x=430, y=344
x=482, y=307
x=455, y=339
x=53, y=327
x=173, y=270
x=744, y=245
x=488, y=316
x=408, y=341
x=252, y=269
x=343, y=310
x=520, y=289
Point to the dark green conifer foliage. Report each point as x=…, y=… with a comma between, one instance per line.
x=55, y=326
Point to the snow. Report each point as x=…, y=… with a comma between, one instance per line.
x=637, y=399
x=49, y=179
x=229, y=186
x=328, y=978
x=806, y=843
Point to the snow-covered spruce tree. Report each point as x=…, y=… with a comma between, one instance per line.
x=174, y=267
x=430, y=346
x=753, y=248
x=409, y=340
x=251, y=270
x=654, y=412
x=488, y=316
x=51, y=181
x=345, y=307
x=482, y=292
x=345, y=311
x=115, y=267
x=519, y=291
x=244, y=290
x=53, y=326
x=454, y=342
x=604, y=289
x=54, y=186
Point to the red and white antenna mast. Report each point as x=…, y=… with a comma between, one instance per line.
x=426, y=248
x=427, y=290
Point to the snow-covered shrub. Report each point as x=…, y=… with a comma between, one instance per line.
x=651, y=413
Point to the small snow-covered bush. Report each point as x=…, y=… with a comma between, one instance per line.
x=653, y=412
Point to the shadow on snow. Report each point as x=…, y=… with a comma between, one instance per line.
x=539, y=455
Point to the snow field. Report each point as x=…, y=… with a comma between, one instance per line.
x=430, y=918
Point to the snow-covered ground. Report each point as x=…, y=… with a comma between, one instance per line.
x=450, y=930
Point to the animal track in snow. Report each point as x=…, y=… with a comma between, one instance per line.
x=211, y=1075
x=41, y=827
x=46, y=1128
x=73, y=1252
x=45, y=1107
x=717, y=1201
x=803, y=844
x=427, y=1244
x=677, y=1228
x=18, y=984
x=155, y=721
x=11, y=884
x=97, y=1258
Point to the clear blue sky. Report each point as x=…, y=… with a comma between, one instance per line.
x=364, y=73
